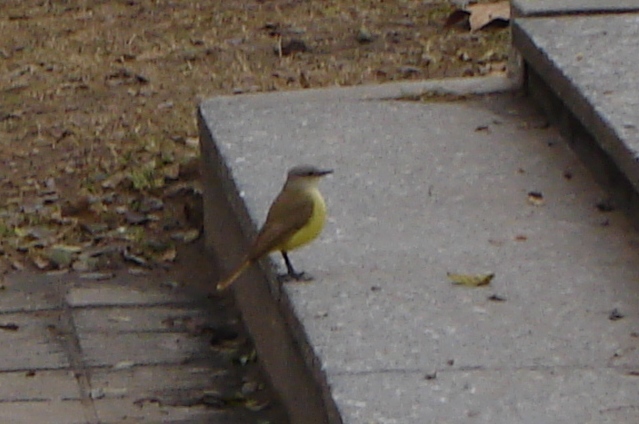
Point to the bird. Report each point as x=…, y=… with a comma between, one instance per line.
x=296, y=217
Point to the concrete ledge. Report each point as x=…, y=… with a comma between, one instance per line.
x=422, y=188
x=228, y=227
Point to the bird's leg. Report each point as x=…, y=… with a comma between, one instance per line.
x=290, y=271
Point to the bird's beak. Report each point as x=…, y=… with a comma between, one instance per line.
x=323, y=172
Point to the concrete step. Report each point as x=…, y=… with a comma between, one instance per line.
x=422, y=188
x=581, y=61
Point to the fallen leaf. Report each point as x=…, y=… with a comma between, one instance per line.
x=255, y=406
x=481, y=15
x=187, y=236
x=496, y=298
x=9, y=327
x=364, y=36
x=171, y=171
x=61, y=256
x=471, y=280
x=17, y=265
x=168, y=255
x=131, y=257
x=192, y=142
x=40, y=262
x=615, y=315
x=535, y=198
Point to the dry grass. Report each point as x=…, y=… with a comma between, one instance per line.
x=98, y=97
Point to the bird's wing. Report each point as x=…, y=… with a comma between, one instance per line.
x=289, y=212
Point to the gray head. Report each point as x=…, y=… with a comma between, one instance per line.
x=307, y=171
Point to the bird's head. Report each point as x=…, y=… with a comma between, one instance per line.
x=306, y=174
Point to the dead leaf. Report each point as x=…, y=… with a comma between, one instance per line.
x=364, y=36
x=131, y=257
x=615, y=315
x=61, y=256
x=192, y=142
x=171, y=172
x=168, y=255
x=9, y=327
x=17, y=265
x=496, y=298
x=41, y=262
x=255, y=406
x=471, y=280
x=481, y=15
x=187, y=236
x=535, y=198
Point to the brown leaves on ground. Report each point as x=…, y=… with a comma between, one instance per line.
x=98, y=138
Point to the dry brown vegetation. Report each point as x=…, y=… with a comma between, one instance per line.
x=98, y=139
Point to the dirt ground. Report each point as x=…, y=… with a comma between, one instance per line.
x=98, y=138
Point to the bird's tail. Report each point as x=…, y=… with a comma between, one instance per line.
x=234, y=275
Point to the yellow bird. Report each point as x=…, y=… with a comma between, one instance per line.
x=295, y=218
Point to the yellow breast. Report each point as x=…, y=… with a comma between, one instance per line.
x=312, y=229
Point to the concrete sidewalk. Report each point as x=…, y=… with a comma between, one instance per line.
x=422, y=189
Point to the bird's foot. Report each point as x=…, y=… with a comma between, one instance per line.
x=296, y=276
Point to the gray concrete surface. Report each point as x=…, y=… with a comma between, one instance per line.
x=554, y=7
x=419, y=190
x=127, y=350
x=589, y=62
